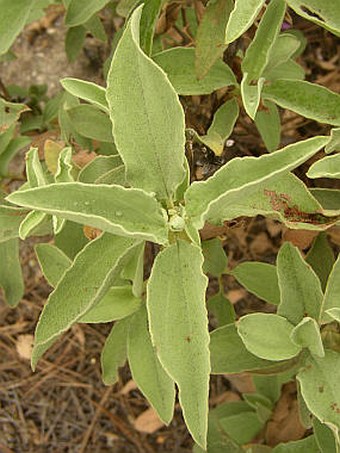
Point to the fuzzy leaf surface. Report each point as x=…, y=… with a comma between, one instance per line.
x=147, y=117
x=53, y=262
x=241, y=18
x=114, y=209
x=11, y=280
x=179, y=329
x=114, y=352
x=80, y=11
x=328, y=167
x=307, y=335
x=81, y=287
x=331, y=297
x=89, y=91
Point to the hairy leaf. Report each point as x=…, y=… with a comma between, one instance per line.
x=307, y=99
x=11, y=280
x=146, y=369
x=88, y=91
x=331, y=297
x=114, y=209
x=307, y=335
x=179, y=329
x=301, y=293
x=259, y=279
x=215, y=259
x=328, y=167
x=148, y=22
x=239, y=177
x=324, y=437
x=241, y=18
x=321, y=258
x=210, y=35
x=267, y=336
x=148, y=120
x=53, y=262
x=80, y=11
x=81, y=287
x=268, y=123
x=114, y=352
x=299, y=446
x=179, y=65
x=98, y=167
x=10, y=220
x=251, y=94
x=91, y=122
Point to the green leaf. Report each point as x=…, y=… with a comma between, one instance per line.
x=301, y=293
x=81, y=287
x=95, y=26
x=114, y=352
x=334, y=313
x=241, y=18
x=88, y=91
x=259, y=279
x=9, y=111
x=307, y=335
x=114, y=209
x=148, y=21
x=74, y=42
x=239, y=177
x=215, y=259
x=98, y=167
x=71, y=239
x=320, y=388
x=267, y=336
x=328, y=167
x=284, y=47
x=324, y=437
x=80, y=11
x=12, y=20
x=329, y=199
x=30, y=223
x=91, y=122
x=290, y=70
x=222, y=126
x=53, y=262
x=251, y=94
x=134, y=271
x=179, y=329
x=334, y=143
x=34, y=171
x=323, y=12
x=13, y=147
x=257, y=54
x=300, y=446
x=210, y=35
x=307, y=99
x=10, y=220
x=321, y=258
x=148, y=373
x=268, y=123
x=331, y=297
x=229, y=355
x=222, y=309
x=118, y=303
x=147, y=117
x=242, y=427
x=179, y=65
x=11, y=280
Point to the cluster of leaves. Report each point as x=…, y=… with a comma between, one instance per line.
x=137, y=190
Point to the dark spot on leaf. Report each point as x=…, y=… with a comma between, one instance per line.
x=7, y=110
x=188, y=339
x=311, y=13
x=321, y=388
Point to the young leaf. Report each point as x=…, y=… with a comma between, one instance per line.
x=251, y=94
x=323, y=12
x=229, y=355
x=241, y=18
x=331, y=298
x=334, y=142
x=307, y=99
x=321, y=258
x=328, y=167
x=301, y=293
x=146, y=369
x=300, y=446
x=118, y=303
x=320, y=388
x=114, y=352
x=148, y=21
x=259, y=279
x=267, y=336
x=34, y=171
x=114, y=209
x=91, y=122
x=215, y=259
x=268, y=123
x=222, y=126
x=80, y=11
x=88, y=91
x=179, y=65
x=307, y=335
x=53, y=262
x=179, y=329
x=147, y=117
x=210, y=35
x=11, y=280
x=10, y=220
x=32, y=221
x=81, y=287
x=257, y=54
x=239, y=177
x=12, y=20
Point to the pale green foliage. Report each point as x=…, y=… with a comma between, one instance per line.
x=114, y=352
x=148, y=121
x=88, y=91
x=178, y=326
x=331, y=297
x=328, y=167
x=53, y=262
x=215, y=259
x=307, y=335
x=268, y=123
x=80, y=11
x=241, y=18
x=11, y=280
